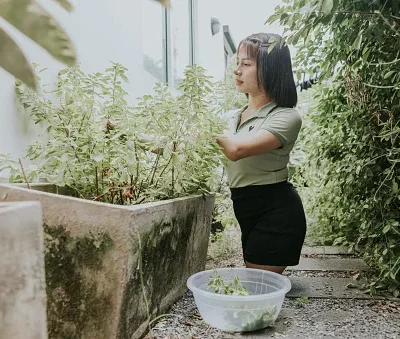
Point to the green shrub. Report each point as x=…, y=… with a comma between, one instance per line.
x=106, y=150
x=352, y=138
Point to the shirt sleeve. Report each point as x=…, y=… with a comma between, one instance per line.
x=284, y=123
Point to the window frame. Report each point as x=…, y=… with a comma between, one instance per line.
x=167, y=55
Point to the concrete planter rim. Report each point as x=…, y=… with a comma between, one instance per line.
x=23, y=186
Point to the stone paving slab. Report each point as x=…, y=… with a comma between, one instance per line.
x=329, y=264
x=337, y=250
x=329, y=319
x=322, y=287
x=326, y=250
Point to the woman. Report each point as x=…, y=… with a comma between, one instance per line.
x=262, y=134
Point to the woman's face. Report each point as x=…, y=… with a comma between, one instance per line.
x=246, y=74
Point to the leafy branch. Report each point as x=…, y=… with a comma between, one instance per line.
x=96, y=144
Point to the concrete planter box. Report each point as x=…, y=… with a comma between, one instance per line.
x=22, y=279
x=93, y=255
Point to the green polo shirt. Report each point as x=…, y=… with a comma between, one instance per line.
x=269, y=167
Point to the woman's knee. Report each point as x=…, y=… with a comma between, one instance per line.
x=275, y=269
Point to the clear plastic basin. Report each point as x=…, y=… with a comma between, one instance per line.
x=240, y=313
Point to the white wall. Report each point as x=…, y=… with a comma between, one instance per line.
x=102, y=31
x=209, y=48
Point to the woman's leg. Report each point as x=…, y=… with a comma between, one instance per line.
x=276, y=269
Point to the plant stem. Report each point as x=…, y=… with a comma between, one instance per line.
x=62, y=121
x=23, y=173
x=163, y=170
x=384, y=180
x=384, y=63
x=173, y=169
x=97, y=182
x=139, y=189
x=121, y=197
x=132, y=190
x=154, y=169
x=221, y=181
x=137, y=160
x=100, y=196
x=388, y=24
x=172, y=175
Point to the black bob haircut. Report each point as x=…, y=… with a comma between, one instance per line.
x=274, y=67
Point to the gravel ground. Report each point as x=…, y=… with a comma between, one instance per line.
x=322, y=274
x=299, y=318
x=315, y=318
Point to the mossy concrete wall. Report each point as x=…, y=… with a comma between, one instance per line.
x=22, y=277
x=101, y=259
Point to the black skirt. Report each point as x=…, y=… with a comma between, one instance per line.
x=272, y=221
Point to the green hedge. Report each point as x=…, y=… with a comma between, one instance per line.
x=351, y=138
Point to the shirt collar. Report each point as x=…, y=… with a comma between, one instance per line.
x=262, y=112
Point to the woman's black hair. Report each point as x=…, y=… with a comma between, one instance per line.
x=274, y=67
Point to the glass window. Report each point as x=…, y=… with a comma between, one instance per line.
x=153, y=22
x=179, y=40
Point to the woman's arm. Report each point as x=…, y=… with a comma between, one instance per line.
x=236, y=148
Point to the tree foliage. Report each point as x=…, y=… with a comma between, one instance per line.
x=352, y=138
x=32, y=20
